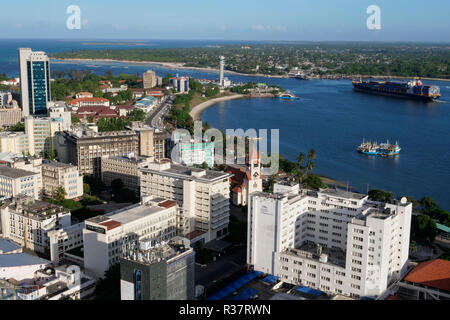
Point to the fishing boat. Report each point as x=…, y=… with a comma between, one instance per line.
x=374, y=149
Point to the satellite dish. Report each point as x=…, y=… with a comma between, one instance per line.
x=403, y=200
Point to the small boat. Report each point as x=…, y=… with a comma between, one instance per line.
x=287, y=96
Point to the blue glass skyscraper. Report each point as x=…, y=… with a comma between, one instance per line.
x=34, y=81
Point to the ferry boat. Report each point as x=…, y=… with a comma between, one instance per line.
x=412, y=89
x=375, y=149
x=287, y=96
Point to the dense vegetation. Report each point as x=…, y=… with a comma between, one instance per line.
x=119, y=124
x=405, y=59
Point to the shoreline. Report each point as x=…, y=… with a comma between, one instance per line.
x=198, y=109
x=181, y=65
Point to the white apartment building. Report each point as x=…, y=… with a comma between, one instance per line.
x=107, y=237
x=59, y=111
x=41, y=132
x=55, y=174
x=190, y=153
x=335, y=241
x=27, y=222
x=203, y=196
x=32, y=164
x=14, y=182
x=15, y=142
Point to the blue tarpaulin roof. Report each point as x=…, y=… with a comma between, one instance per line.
x=235, y=285
x=245, y=294
x=270, y=279
x=310, y=291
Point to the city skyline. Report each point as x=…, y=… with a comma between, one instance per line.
x=294, y=21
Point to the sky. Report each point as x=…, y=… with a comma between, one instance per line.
x=291, y=20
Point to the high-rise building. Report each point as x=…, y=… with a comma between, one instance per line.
x=34, y=81
x=202, y=195
x=336, y=241
x=181, y=84
x=149, y=79
x=161, y=271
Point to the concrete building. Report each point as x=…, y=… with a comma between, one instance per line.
x=163, y=271
x=10, y=116
x=202, y=195
x=36, y=279
x=31, y=164
x=15, y=142
x=149, y=79
x=191, y=153
x=152, y=142
x=27, y=221
x=85, y=148
x=88, y=102
x=5, y=98
x=107, y=237
x=59, y=112
x=146, y=104
x=221, y=69
x=56, y=174
x=34, y=81
x=123, y=168
x=14, y=182
x=335, y=241
x=180, y=84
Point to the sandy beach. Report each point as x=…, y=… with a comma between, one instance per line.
x=196, y=111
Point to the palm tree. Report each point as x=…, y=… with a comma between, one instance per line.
x=311, y=154
x=298, y=175
x=300, y=159
x=310, y=165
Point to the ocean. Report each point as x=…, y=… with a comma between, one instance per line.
x=329, y=117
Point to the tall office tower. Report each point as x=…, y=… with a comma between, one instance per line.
x=149, y=79
x=222, y=67
x=34, y=81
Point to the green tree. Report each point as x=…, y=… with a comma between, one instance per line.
x=75, y=119
x=138, y=115
x=300, y=159
x=424, y=227
x=380, y=195
x=117, y=185
x=86, y=188
x=312, y=154
x=18, y=127
x=108, y=287
x=314, y=182
x=60, y=194
x=125, y=195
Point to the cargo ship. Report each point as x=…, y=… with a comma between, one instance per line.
x=383, y=149
x=413, y=89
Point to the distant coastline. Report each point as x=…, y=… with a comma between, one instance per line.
x=180, y=65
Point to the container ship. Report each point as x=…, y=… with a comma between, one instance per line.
x=382, y=149
x=411, y=89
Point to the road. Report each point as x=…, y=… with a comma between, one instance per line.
x=155, y=116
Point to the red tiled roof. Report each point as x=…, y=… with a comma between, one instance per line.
x=76, y=101
x=112, y=224
x=433, y=273
x=126, y=106
x=167, y=204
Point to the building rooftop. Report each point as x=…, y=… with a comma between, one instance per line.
x=15, y=173
x=190, y=172
x=20, y=259
x=334, y=256
x=343, y=194
x=58, y=164
x=433, y=273
x=7, y=245
x=34, y=208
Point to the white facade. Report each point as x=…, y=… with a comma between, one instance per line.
x=194, y=153
x=56, y=174
x=338, y=242
x=27, y=222
x=14, y=182
x=16, y=142
x=203, y=196
x=107, y=237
